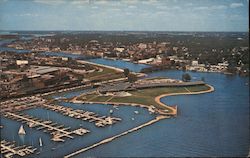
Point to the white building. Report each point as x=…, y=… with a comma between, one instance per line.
x=65, y=58
x=142, y=46
x=22, y=62
x=195, y=63
x=145, y=61
x=119, y=49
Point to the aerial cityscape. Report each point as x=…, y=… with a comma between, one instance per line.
x=125, y=78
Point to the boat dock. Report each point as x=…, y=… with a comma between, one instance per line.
x=20, y=104
x=9, y=150
x=58, y=132
x=100, y=121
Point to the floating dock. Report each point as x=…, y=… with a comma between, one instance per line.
x=20, y=104
x=100, y=121
x=58, y=132
x=9, y=150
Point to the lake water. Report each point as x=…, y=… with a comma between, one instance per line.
x=211, y=124
x=9, y=132
x=120, y=64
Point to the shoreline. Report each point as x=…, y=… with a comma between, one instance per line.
x=158, y=98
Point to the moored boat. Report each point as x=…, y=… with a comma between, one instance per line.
x=40, y=142
x=21, y=131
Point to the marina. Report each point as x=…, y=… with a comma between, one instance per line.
x=9, y=150
x=20, y=104
x=100, y=121
x=58, y=132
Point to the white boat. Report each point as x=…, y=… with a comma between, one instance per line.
x=57, y=139
x=21, y=130
x=136, y=112
x=132, y=119
x=109, y=120
x=40, y=142
x=110, y=111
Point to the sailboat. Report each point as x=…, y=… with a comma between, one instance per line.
x=21, y=130
x=40, y=142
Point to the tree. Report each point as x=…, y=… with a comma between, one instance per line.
x=186, y=77
x=132, y=78
x=184, y=68
x=25, y=78
x=232, y=67
x=126, y=72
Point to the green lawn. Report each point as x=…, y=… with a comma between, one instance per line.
x=197, y=88
x=96, y=73
x=105, y=75
x=144, y=96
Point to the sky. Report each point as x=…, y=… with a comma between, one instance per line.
x=125, y=15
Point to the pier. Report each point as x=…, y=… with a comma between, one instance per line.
x=9, y=150
x=100, y=121
x=58, y=132
x=20, y=104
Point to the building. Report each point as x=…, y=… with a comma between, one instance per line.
x=41, y=70
x=165, y=61
x=146, y=61
x=195, y=63
x=22, y=62
x=65, y=58
x=119, y=49
x=142, y=46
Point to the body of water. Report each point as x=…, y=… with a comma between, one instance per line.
x=211, y=124
x=120, y=64
x=55, y=149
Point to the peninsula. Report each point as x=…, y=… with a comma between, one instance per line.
x=145, y=93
